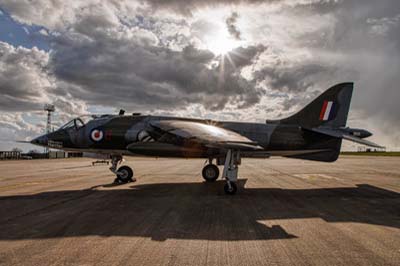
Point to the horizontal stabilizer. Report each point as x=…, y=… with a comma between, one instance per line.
x=337, y=133
x=362, y=141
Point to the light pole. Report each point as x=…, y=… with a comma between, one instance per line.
x=49, y=108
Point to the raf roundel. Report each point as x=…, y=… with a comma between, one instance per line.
x=96, y=135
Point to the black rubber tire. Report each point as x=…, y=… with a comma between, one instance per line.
x=210, y=172
x=127, y=175
x=230, y=190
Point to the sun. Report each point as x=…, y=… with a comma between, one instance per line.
x=221, y=45
x=211, y=28
x=220, y=42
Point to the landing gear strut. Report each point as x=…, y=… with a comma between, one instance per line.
x=210, y=172
x=231, y=171
x=124, y=173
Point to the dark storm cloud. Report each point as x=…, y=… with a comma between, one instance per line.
x=296, y=85
x=133, y=72
x=232, y=27
x=242, y=57
x=294, y=79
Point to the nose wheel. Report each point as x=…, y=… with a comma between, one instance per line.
x=124, y=173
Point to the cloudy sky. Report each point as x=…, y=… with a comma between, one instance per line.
x=246, y=60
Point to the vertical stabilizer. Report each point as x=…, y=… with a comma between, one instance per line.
x=330, y=109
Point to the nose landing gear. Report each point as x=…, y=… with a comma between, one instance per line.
x=124, y=173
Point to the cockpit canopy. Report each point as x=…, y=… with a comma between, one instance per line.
x=81, y=121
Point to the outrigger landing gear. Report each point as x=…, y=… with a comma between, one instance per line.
x=231, y=171
x=124, y=173
x=210, y=171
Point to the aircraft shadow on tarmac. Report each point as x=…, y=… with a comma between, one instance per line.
x=190, y=211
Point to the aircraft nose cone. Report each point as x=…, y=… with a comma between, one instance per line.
x=42, y=140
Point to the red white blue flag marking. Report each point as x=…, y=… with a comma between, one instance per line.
x=327, y=111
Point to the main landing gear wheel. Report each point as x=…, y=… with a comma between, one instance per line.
x=124, y=175
x=230, y=188
x=210, y=172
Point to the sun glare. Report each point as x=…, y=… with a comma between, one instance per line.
x=221, y=44
x=211, y=29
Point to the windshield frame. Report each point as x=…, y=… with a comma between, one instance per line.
x=67, y=125
x=83, y=121
x=78, y=122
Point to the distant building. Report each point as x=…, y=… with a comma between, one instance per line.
x=56, y=154
x=10, y=155
x=17, y=155
x=367, y=149
x=74, y=154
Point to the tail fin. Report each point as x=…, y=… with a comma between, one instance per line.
x=330, y=109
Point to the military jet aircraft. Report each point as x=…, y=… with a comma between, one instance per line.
x=314, y=133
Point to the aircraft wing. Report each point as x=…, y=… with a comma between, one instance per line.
x=343, y=135
x=208, y=135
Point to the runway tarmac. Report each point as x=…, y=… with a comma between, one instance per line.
x=286, y=212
